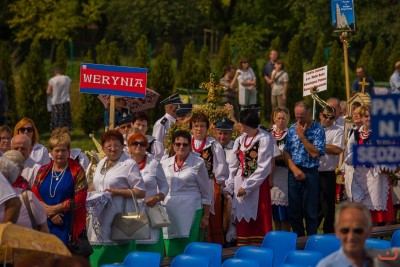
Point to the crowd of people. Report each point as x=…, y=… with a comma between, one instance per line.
x=214, y=188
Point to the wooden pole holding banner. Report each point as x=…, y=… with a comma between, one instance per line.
x=346, y=70
x=112, y=113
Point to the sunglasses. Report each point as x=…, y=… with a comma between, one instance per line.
x=142, y=144
x=345, y=231
x=328, y=117
x=284, y=110
x=181, y=144
x=25, y=129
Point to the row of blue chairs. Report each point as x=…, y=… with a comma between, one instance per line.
x=278, y=248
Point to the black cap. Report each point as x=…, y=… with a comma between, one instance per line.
x=173, y=99
x=224, y=124
x=256, y=107
x=183, y=109
x=124, y=119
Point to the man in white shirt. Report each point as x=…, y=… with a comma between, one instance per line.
x=162, y=126
x=335, y=103
x=223, y=134
x=327, y=166
x=10, y=203
x=22, y=143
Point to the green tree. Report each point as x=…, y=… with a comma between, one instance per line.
x=365, y=57
x=319, y=59
x=6, y=74
x=224, y=56
x=336, y=79
x=188, y=77
x=276, y=44
x=32, y=101
x=394, y=56
x=379, y=66
x=204, y=65
x=163, y=77
x=92, y=110
x=294, y=68
x=141, y=55
x=107, y=53
x=61, y=57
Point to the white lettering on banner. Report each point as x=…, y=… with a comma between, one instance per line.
x=115, y=80
x=385, y=107
x=388, y=128
x=378, y=154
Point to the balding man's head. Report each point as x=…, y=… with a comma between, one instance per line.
x=22, y=143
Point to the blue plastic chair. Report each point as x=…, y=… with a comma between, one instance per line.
x=281, y=243
x=377, y=243
x=326, y=244
x=235, y=262
x=112, y=265
x=185, y=260
x=141, y=258
x=211, y=250
x=303, y=257
x=264, y=256
x=395, y=241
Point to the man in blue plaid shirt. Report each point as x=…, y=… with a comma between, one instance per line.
x=305, y=144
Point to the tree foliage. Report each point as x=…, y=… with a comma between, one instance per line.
x=319, y=59
x=163, y=77
x=61, y=57
x=48, y=20
x=336, y=85
x=204, y=65
x=379, y=59
x=6, y=74
x=188, y=76
x=294, y=68
x=394, y=56
x=32, y=100
x=365, y=57
x=141, y=55
x=224, y=56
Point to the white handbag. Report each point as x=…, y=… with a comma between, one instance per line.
x=158, y=216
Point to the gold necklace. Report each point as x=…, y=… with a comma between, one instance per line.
x=104, y=169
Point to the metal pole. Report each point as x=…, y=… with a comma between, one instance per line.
x=112, y=113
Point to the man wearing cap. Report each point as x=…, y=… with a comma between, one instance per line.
x=183, y=112
x=395, y=79
x=162, y=126
x=140, y=123
x=223, y=134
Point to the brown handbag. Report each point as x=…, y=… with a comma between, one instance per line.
x=130, y=225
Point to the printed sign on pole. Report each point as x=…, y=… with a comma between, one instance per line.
x=385, y=117
x=317, y=78
x=343, y=15
x=113, y=80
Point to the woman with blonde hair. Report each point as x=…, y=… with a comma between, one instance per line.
x=39, y=154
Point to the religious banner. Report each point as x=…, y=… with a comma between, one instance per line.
x=113, y=80
x=374, y=155
x=315, y=79
x=343, y=15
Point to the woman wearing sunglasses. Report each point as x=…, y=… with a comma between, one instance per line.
x=189, y=197
x=39, y=154
x=247, y=83
x=156, y=187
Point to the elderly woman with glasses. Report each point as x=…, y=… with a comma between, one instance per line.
x=39, y=154
x=119, y=175
x=189, y=197
x=247, y=83
x=5, y=139
x=155, y=184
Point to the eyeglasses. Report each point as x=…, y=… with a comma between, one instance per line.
x=125, y=126
x=5, y=138
x=328, y=117
x=26, y=129
x=136, y=143
x=345, y=231
x=181, y=144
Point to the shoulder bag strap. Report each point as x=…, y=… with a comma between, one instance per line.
x=29, y=209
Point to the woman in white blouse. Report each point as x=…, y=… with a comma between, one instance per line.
x=248, y=181
x=39, y=154
x=155, y=184
x=119, y=175
x=247, y=83
x=189, y=197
